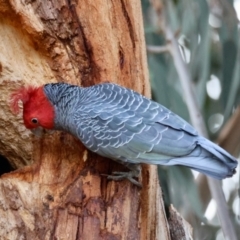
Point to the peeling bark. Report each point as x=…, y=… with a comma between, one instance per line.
x=179, y=228
x=57, y=191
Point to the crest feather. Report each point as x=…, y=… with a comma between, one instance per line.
x=23, y=94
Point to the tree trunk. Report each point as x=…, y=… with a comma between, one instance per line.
x=57, y=191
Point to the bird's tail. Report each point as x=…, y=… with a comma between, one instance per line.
x=210, y=159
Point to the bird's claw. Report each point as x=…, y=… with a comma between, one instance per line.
x=117, y=176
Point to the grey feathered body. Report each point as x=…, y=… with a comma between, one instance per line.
x=123, y=125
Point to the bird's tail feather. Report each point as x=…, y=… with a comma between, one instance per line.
x=207, y=165
x=208, y=158
x=222, y=155
x=213, y=160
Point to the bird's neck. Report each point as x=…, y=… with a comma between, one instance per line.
x=63, y=98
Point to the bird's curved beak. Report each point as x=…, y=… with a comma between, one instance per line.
x=38, y=132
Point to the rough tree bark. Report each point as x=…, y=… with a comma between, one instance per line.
x=57, y=191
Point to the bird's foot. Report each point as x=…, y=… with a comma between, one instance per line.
x=117, y=176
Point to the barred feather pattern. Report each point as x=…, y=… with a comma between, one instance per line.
x=123, y=125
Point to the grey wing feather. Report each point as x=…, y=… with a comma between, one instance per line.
x=126, y=122
x=121, y=124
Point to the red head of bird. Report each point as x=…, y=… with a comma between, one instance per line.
x=37, y=109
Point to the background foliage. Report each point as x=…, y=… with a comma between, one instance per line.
x=208, y=36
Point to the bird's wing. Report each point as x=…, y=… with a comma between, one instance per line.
x=120, y=123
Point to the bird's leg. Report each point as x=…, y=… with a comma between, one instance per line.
x=135, y=172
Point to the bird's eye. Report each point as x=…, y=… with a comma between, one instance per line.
x=34, y=120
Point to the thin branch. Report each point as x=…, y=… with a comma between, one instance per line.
x=198, y=123
x=158, y=49
x=195, y=114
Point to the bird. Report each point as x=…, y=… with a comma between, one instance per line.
x=123, y=125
